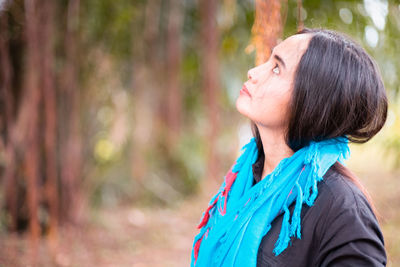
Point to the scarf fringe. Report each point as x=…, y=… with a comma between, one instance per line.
x=295, y=226
x=288, y=230
x=284, y=238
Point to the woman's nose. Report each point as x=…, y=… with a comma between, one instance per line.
x=251, y=76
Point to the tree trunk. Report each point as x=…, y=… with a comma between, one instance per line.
x=6, y=76
x=29, y=111
x=300, y=24
x=174, y=105
x=146, y=72
x=50, y=113
x=72, y=199
x=267, y=27
x=210, y=74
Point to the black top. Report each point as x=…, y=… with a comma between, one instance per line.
x=340, y=229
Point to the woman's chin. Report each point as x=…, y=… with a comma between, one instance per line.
x=241, y=106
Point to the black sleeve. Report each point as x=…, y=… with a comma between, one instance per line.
x=352, y=237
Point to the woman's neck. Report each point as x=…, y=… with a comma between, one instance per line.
x=275, y=148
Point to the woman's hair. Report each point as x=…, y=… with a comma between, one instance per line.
x=338, y=91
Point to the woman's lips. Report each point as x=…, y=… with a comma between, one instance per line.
x=245, y=91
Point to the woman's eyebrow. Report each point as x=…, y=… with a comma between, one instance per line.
x=280, y=60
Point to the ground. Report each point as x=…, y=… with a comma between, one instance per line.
x=123, y=236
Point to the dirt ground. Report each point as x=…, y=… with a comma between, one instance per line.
x=123, y=236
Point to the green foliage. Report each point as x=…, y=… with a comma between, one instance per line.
x=109, y=23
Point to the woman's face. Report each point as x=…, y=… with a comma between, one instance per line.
x=271, y=84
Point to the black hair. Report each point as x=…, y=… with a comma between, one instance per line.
x=338, y=91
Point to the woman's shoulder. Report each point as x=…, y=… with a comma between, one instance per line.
x=344, y=202
x=349, y=225
x=339, y=195
x=341, y=190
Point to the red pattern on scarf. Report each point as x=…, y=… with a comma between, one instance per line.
x=196, y=249
x=229, y=179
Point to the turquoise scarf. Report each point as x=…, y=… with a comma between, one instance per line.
x=240, y=214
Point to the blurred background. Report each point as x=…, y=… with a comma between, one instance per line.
x=118, y=119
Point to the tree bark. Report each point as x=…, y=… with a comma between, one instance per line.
x=174, y=98
x=267, y=27
x=300, y=24
x=210, y=74
x=50, y=113
x=29, y=111
x=6, y=76
x=72, y=199
x=146, y=70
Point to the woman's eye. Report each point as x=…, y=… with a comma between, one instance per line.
x=276, y=69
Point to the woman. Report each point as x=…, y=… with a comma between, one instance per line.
x=288, y=200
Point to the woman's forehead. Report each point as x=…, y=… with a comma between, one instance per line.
x=292, y=48
x=297, y=42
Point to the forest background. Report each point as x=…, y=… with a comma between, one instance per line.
x=118, y=119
